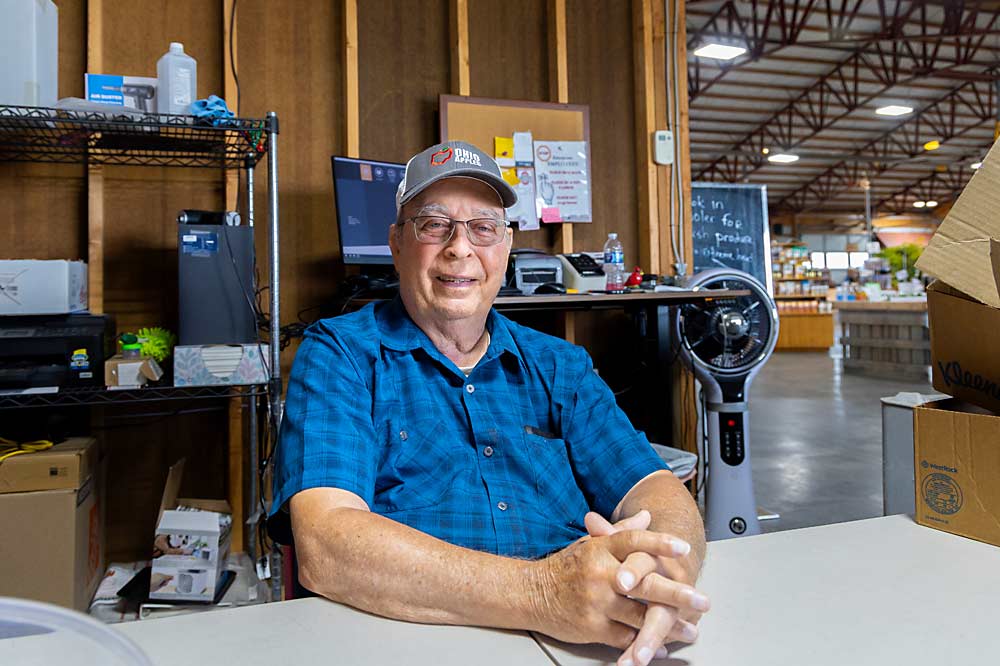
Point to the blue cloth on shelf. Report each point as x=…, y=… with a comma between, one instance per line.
x=212, y=110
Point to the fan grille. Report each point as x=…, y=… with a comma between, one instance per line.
x=704, y=334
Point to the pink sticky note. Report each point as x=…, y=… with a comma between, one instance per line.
x=551, y=214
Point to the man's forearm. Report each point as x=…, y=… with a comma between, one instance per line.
x=673, y=511
x=381, y=566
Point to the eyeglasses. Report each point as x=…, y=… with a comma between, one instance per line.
x=437, y=230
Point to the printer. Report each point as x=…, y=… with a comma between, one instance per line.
x=530, y=268
x=64, y=351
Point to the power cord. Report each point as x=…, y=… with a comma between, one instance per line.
x=9, y=448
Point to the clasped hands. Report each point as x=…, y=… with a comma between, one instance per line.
x=624, y=586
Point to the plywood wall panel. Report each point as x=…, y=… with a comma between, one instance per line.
x=403, y=65
x=290, y=62
x=508, y=49
x=72, y=47
x=599, y=36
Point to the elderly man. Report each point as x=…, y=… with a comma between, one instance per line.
x=442, y=464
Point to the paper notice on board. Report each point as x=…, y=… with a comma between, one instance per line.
x=503, y=151
x=523, y=149
x=523, y=212
x=561, y=178
x=551, y=214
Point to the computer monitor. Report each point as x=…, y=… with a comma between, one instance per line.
x=365, y=193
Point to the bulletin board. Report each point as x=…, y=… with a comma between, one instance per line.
x=478, y=120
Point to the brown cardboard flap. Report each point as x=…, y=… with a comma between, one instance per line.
x=961, y=251
x=171, y=488
x=995, y=261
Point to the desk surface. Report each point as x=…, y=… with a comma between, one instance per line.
x=880, y=591
x=596, y=301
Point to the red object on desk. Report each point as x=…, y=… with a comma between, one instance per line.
x=635, y=279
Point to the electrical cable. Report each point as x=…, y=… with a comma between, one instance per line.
x=10, y=448
x=682, y=241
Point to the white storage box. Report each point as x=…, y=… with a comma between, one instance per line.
x=29, y=52
x=30, y=287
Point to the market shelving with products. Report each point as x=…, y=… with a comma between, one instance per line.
x=801, y=296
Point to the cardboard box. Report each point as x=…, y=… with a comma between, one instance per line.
x=964, y=304
x=53, y=542
x=964, y=359
x=29, y=287
x=131, y=92
x=208, y=365
x=66, y=466
x=957, y=463
x=190, y=545
x=132, y=372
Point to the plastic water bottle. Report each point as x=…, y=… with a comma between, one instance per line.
x=177, y=81
x=614, y=255
x=615, y=278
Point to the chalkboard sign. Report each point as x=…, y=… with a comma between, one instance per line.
x=730, y=228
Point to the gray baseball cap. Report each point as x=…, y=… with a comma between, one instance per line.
x=449, y=160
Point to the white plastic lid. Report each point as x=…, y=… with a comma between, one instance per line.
x=176, y=47
x=37, y=634
x=612, y=235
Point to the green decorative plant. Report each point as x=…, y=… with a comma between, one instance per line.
x=157, y=342
x=902, y=256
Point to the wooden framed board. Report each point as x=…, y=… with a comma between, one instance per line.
x=730, y=229
x=479, y=120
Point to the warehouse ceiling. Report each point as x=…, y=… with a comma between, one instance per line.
x=813, y=75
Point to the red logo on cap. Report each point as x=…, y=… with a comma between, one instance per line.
x=441, y=156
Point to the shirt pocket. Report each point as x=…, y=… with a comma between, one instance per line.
x=555, y=484
x=422, y=464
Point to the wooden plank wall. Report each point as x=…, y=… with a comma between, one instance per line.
x=291, y=60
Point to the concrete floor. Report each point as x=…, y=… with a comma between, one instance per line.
x=816, y=440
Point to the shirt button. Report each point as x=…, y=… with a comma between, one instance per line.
x=470, y=388
x=488, y=451
x=403, y=435
x=502, y=506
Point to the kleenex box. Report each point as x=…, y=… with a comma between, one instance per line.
x=224, y=365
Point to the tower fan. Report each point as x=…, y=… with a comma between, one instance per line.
x=726, y=341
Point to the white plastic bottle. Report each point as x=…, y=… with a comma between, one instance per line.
x=614, y=254
x=177, y=81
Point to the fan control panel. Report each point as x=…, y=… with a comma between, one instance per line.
x=731, y=436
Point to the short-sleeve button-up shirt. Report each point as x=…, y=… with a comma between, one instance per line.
x=506, y=460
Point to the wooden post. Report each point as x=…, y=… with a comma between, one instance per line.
x=559, y=92
x=235, y=473
x=645, y=125
x=352, y=127
x=236, y=443
x=229, y=64
x=459, y=24
x=95, y=174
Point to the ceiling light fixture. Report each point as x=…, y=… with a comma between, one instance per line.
x=932, y=145
x=720, y=51
x=932, y=204
x=894, y=110
x=766, y=151
x=782, y=158
x=919, y=204
x=976, y=165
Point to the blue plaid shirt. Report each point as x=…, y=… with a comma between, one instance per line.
x=507, y=460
